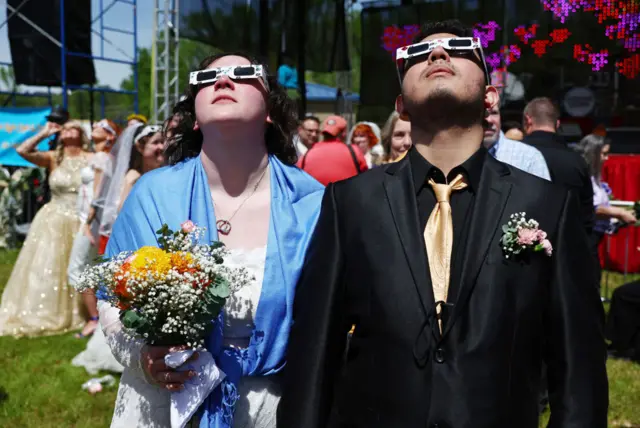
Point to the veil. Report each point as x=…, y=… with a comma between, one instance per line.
x=108, y=200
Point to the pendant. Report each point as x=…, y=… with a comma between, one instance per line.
x=223, y=227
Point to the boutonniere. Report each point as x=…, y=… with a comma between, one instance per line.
x=520, y=234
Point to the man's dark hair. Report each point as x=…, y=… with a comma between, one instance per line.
x=450, y=26
x=278, y=135
x=543, y=112
x=310, y=117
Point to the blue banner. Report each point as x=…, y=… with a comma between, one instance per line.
x=16, y=125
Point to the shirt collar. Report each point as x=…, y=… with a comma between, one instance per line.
x=495, y=147
x=422, y=170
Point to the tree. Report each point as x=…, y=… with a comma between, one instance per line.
x=354, y=35
x=191, y=54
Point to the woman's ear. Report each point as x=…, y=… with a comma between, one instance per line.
x=195, y=125
x=269, y=119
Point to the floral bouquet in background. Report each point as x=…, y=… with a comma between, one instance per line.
x=171, y=295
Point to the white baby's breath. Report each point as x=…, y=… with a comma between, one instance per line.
x=174, y=304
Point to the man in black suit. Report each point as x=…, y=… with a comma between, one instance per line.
x=472, y=358
x=541, y=120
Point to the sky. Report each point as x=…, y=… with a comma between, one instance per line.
x=119, y=16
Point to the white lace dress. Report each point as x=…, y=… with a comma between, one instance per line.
x=141, y=404
x=259, y=396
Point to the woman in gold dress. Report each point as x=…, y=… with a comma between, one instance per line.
x=37, y=299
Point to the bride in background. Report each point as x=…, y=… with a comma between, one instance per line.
x=37, y=299
x=138, y=151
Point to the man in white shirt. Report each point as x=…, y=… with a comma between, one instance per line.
x=514, y=153
x=308, y=134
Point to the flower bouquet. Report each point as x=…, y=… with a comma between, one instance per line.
x=171, y=295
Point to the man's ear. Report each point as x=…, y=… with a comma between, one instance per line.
x=404, y=115
x=491, y=97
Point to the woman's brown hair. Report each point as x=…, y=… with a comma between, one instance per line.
x=278, y=135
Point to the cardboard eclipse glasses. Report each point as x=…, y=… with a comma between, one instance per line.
x=235, y=72
x=451, y=45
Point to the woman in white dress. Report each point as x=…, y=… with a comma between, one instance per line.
x=103, y=135
x=235, y=176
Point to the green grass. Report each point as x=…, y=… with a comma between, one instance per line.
x=44, y=389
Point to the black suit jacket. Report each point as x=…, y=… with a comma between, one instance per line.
x=567, y=168
x=367, y=265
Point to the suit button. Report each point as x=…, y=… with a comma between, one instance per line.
x=439, y=355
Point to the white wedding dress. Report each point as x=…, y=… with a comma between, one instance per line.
x=142, y=404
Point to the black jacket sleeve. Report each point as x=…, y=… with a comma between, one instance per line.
x=319, y=331
x=576, y=351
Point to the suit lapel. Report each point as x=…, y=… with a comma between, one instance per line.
x=491, y=199
x=401, y=196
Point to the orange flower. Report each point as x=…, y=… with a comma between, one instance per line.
x=182, y=262
x=121, y=284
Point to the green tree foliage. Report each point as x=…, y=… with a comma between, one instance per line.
x=191, y=54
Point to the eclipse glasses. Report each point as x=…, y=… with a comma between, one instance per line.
x=147, y=130
x=455, y=46
x=105, y=125
x=235, y=72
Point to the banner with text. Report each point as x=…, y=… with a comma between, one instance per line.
x=16, y=125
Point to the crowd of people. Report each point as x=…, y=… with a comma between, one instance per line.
x=375, y=234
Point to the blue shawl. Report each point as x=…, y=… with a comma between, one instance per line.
x=181, y=192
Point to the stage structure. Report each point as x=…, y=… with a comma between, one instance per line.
x=53, y=26
x=165, y=53
x=303, y=35
x=585, y=54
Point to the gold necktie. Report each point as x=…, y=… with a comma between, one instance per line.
x=438, y=237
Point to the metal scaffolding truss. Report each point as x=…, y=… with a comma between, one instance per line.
x=165, y=56
x=98, y=28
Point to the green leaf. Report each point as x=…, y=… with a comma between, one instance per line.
x=538, y=247
x=219, y=288
x=132, y=320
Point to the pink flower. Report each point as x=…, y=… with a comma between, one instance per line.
x=94, y=388
x=188, y=226
x=546, y=246
x=131, y=258
x=542, y=235
x=527, y=236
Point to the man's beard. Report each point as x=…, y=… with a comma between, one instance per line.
x=442, y=109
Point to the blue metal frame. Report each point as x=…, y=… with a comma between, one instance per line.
x=64, y=53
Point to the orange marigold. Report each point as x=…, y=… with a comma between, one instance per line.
x=182, y=262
